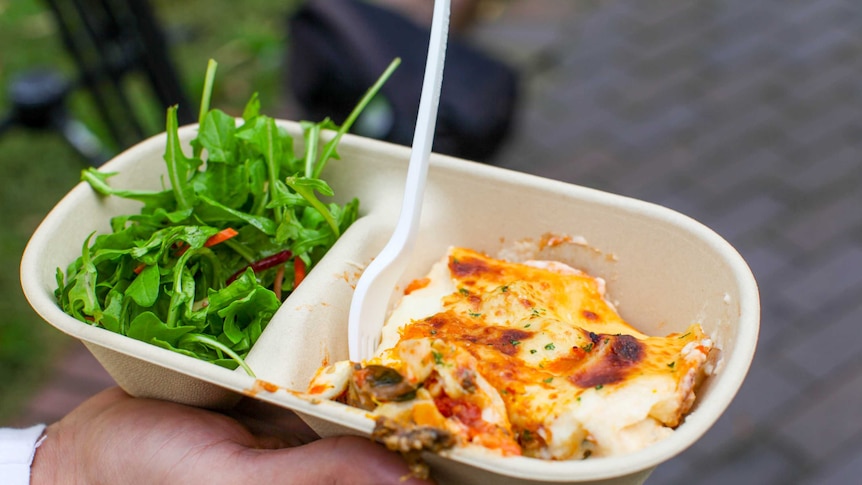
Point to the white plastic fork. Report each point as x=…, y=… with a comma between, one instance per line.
x=375, y=287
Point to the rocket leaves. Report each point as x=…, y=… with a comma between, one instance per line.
x=169, y=275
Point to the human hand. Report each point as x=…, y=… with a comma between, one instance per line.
x=113, y=438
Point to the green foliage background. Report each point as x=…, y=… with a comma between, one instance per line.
x=247, y=38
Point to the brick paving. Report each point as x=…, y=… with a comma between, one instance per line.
x=744, y=114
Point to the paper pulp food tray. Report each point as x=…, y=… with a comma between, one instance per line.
x=663, y=270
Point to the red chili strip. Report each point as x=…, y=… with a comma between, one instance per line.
x=221, y=237
x=216, y=238
x=298, y=271
x=263, y=264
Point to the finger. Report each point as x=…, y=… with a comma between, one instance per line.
x=346, y=460
x=100, y=402
x=274, y=426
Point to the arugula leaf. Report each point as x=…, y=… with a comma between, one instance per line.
x=252, y=108
x=211, y=210
x=99, y=182
x=148, y=326
x=112, y=315
x=82, y=301
x=209, y=80
x=179, y=166
x=145, y=288
x=311, y=135
x=306, y=187
x=216, y=136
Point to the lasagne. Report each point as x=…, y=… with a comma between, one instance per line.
x=520, y=358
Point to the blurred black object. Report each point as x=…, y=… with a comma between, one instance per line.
x=110, y=41
x=38, y=100
x=338, y=48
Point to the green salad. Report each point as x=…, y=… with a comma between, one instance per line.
x=207, y=262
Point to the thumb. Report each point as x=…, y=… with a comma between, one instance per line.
x=343, y=460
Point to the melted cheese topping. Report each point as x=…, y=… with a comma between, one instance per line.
x=530, y=359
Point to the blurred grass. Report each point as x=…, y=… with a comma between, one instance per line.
x=37, y=168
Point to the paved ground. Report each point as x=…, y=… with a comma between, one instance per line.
x=746, y=115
